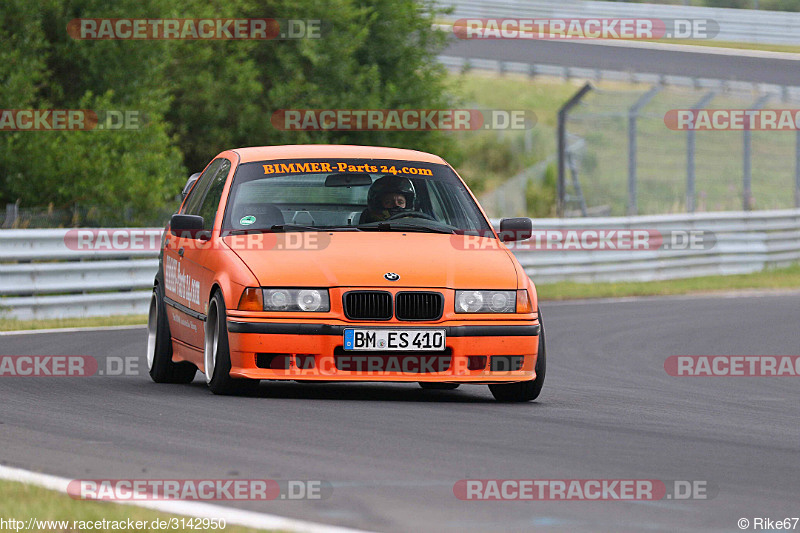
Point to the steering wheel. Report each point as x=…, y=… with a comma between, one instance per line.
x=416, y=214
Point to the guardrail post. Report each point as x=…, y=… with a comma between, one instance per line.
x=747, y=192
x=562, y=145
x=797, y=170
x=690, y=151
x=633, y=114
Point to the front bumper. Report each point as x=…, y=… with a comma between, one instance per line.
x=284, y=350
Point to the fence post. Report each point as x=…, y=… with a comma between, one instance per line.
x=576, y=184
x=633, y=114
x=562, y=145
x=690, y=151
x=747, y=192
x=12, y=213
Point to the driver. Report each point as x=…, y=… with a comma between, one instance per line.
x=388, y=196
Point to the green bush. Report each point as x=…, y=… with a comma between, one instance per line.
x=541, y=195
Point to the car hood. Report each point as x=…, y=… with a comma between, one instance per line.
x=361, y=259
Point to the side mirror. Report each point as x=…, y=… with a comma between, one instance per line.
x=515, y=229
x=187, y=227
x=188, y=186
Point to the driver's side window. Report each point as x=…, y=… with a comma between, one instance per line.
x=198, y=192
x=208, y=210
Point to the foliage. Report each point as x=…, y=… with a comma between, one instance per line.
x=201, y=97
x=541, y=195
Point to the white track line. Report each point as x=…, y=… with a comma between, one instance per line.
x=185, y=508
x=70, y=330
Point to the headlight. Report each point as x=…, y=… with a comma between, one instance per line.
x=310, y=300
x=486, y=301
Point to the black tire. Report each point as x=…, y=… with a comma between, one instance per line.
x=159, y=346
x=220, y=380
x=525, y=391
x=427, y=385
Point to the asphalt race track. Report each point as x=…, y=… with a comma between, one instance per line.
x=735, y=65
x=394, y=452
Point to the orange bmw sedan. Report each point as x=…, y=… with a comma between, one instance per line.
x=342, y=263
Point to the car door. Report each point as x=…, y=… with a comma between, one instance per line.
x=187, y=281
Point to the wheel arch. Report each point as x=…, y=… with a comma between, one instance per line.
x=216, y=287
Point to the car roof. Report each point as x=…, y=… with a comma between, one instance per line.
x=331, y=151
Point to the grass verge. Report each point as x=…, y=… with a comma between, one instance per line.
x=782, y=278
x=491, y=157
x=787, y=48
x=19, y=501
x=601, y=121
x=10, y=324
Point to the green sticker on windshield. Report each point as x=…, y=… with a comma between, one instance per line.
x=246, y=221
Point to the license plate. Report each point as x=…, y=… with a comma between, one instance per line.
x=405, y=340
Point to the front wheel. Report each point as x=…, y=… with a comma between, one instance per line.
x=159, y=346
x=217, y=355
x=524, y=391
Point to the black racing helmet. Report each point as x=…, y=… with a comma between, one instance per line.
x=390, y=184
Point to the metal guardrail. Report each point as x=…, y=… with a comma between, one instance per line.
x=42, y=277
x=745, y=242
x=43, y=274
x=745, y=25
x=742, y=88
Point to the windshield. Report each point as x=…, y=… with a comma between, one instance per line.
x=350, y=195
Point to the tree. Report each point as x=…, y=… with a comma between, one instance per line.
x=379, y=54
x=201, y=97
